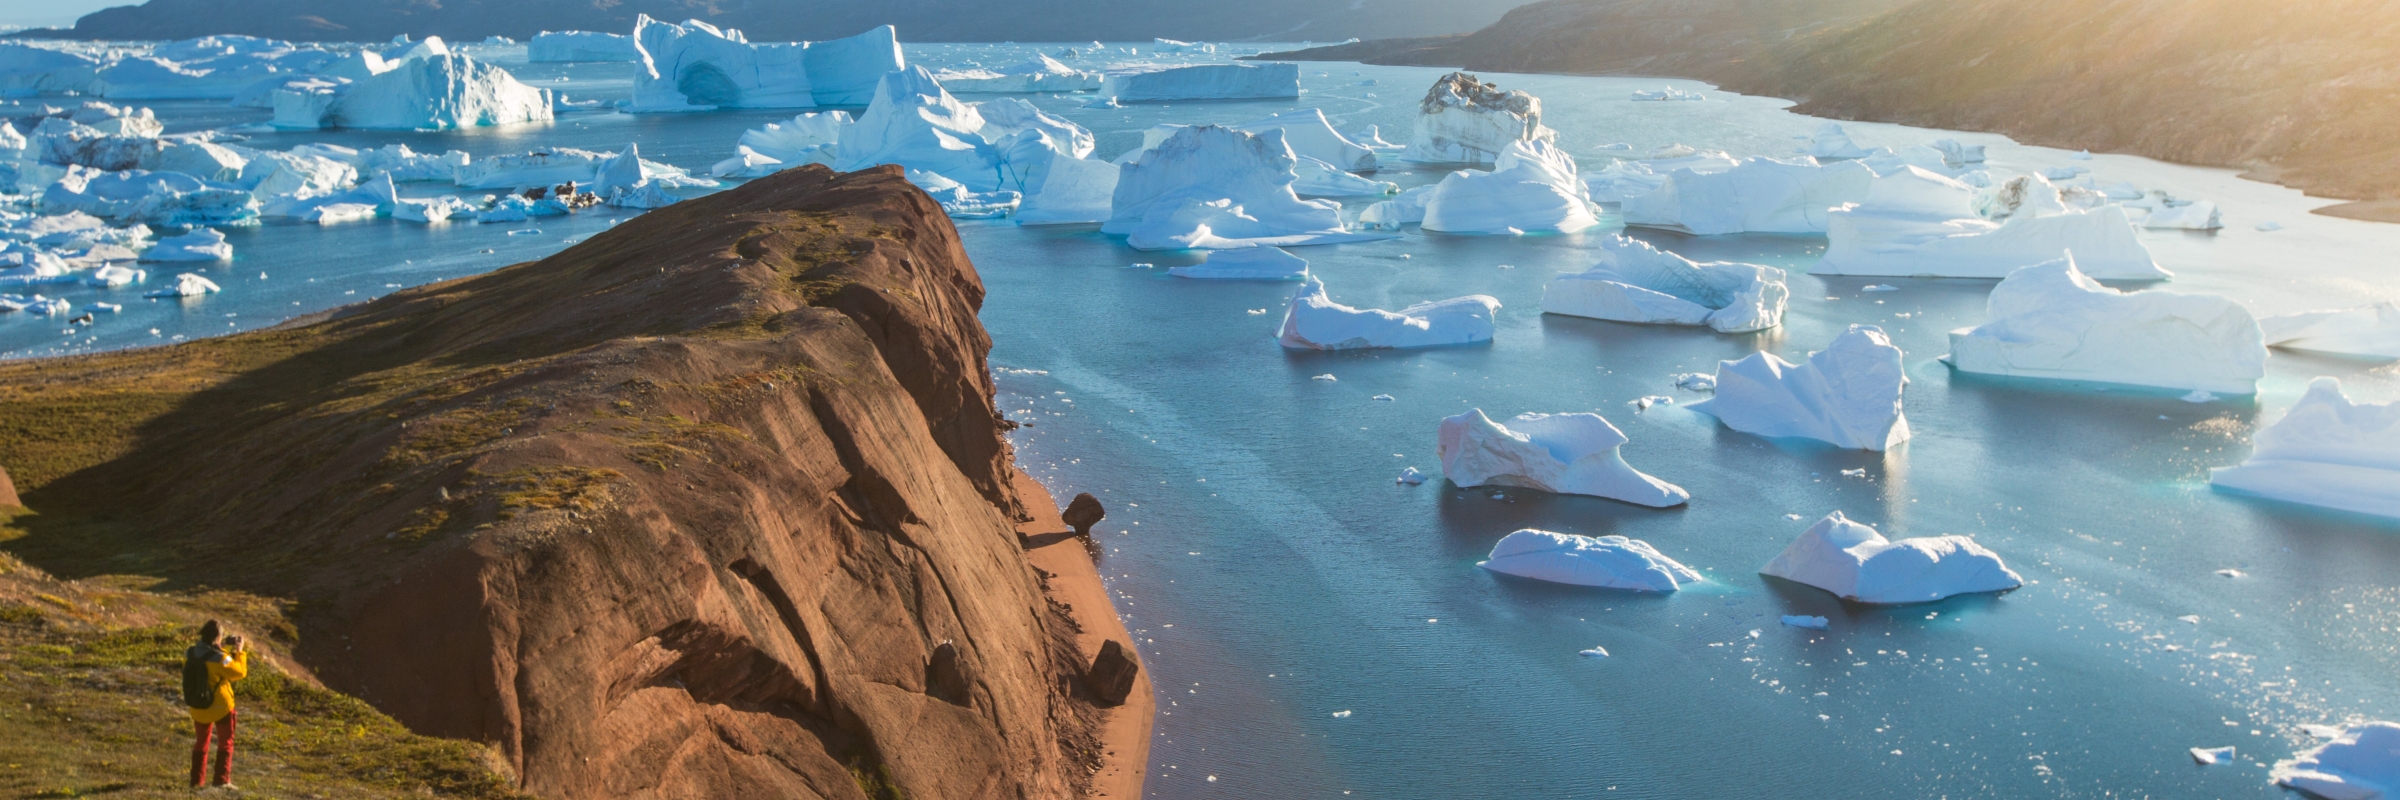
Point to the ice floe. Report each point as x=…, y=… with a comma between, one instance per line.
x=1635, y=282
x=2198, y=215
x=1247, y=264
x=1040, y=74
x=2052, y=321
x=1463, y=120
x=1666, y=94
x=1915, y=223
x=1556, y=453
x=2326, y=451
x=2368, y=331
x=1240, y=81
x=581, y=46
x=2360, y=763
x=1532, y=187
x=185, y=285
x=1314, y=321
x=1612, y=562
x=202, y=244
x=1758, y=195
x=1847, y=394
x=1209, y=187
x=1856, y=563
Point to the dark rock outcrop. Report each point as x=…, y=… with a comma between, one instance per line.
x=1112, y=673
x=1082, y=513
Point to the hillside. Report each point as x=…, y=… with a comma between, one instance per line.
x=2304, y=94
x=713, y=504
x=790, y=20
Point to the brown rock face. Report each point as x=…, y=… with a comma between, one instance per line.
x=1112, y=673
x=1083, y=512
x=8, y=491
x=711, y=505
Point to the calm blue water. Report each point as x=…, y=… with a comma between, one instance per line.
x=1275, y=575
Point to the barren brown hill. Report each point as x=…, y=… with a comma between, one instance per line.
x=2307, y=94
x=714, y=504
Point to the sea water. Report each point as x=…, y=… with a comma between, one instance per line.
x=1315, y=630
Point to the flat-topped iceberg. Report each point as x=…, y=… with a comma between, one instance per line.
x=1242, y=81
x=1213, y=188
x=1556, y=453
x=209, y=68
x=697, y=66
x=2369, y=331
x=432, y=92
x=1611, y=562
x=2326, y=451
x=1532, y=188
x=1635, y=282
x=1847, y=394
x=1308, y=134
x=25, y=68
x=1463, y=120
x=1041, y=74
x=1856, y=563
x=2052, y=321
x=202, y=244
x=1916, y=223
x=1760, y=195
x=1315, y=322
x=581, y=46
x=1831, y=141
x=1247, y=264
x=2361, y=763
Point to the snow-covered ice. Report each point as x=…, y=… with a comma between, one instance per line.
x=2360, y=763
x=2369, y=331
x=1612, y=562
x=1916, y=223
x=1833, y=142
x=1247, y=264
x=2052, y=321
x=1315, y=322
x=1532, y=187
x=1847, y=394
x=2326, y=451
x=1760, y=195
x=1856, y=563
x=1240, y=81
x=1463, y=120
x=1556, y=453
x=1635, y=282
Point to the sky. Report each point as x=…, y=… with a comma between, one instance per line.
x=51, y=13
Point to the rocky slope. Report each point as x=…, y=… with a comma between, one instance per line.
x=918, y=20
x=2307, y=94
x=714, y=504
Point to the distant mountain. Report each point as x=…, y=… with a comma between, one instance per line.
x=789, y=20
x=2307, y=94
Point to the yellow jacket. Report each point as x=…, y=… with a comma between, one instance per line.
x=235, y=667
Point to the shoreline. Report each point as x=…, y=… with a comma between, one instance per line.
x=1052, y=547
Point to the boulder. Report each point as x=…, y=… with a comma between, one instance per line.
x=1111, y=675
x=1083, y=512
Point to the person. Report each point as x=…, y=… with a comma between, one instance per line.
x=209, y=670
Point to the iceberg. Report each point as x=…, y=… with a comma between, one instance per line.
x=1847, y=394
x=1556, y=453
x=202, y=244
x=1242, y=81
x=1173, y=46
x=25, y=68
x=1833, y=142
x=552, y=166
x=85, y=147
x=157, y=198
x=2326, y=451
x=1009, y=116
x=1666, y=94
x=846, y=72
x=431, y=210
x=1463, y=120
x=2199, y=215
x=914, y=123
x=1074, y=190
x=428, y=92
x=1957, y=155
x=1856, y=563
x=1610, y=562
x=745, y=163
x=1635, y=282
x=1406, y=209
x=1213, y=188
x=1041, y=74
x=1760, y=195
x=2052, y=321
x=1247, y=264
x=210, y=68
x=1314, y=322
x=580, y=46
x=1310, y=136
x=1533, y=187
x=186, y=285
x=2361, y=763
x=203, y=160
x=112, y=276
x=646, y=196
x=805, y=139
x=697, y=67
x=2368, y=331
x=1319, y=179
x=1916, y=223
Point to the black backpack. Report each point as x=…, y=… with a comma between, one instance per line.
x=199, y=690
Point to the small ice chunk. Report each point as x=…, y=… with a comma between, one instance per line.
x=1325, y=377
x=1344, y=713
x=2270, y=226
x=2191, y=618
x=1410, y=476
x=1696, y=381
x=1559, y=453
x=2231, y=573
x=1880, y=287
x=1596, y=652
x=186, y=285
x=1314, y=322
x=2363, y=763
x=2084, y=155
x=1246, y=264
x=2198, y=396
x=1644, y=403
x=1612, y=562
x=2212, y=755
x=1860, y=472
x=1383, y=397
x=1856, y=563
x=1811, y=623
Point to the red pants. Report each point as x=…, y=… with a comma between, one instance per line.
x=224, y=731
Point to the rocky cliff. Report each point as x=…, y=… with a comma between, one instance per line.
x=2303, y=93
x=714, y=504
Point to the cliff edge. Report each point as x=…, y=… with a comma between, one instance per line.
x=714, y=504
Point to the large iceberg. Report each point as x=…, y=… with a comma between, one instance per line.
x=1556, y=453
x=432, y=92
x=2369, y=331
x=1315, y=322
x=1532, y=188
x=1247, y=264
x=1213, y=188
x=697, y=66
x=846, y=71
x=208, y=68
x=1463, y=120
x=1635, y=282
x=1858, y=564
x=1847, y=394
x=1042, y=74
x=1243, y=81
x=804, y=139
x=914, y=123
x=1308, y=134
x=1761, y=195
x=2362, y=763
x=25, y=68
x=2052, y=321
x=1916, y=223
x=1612, y=562
x=157, y=198
x=581, y=46
x=2326, y=451
x=1074, y=190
